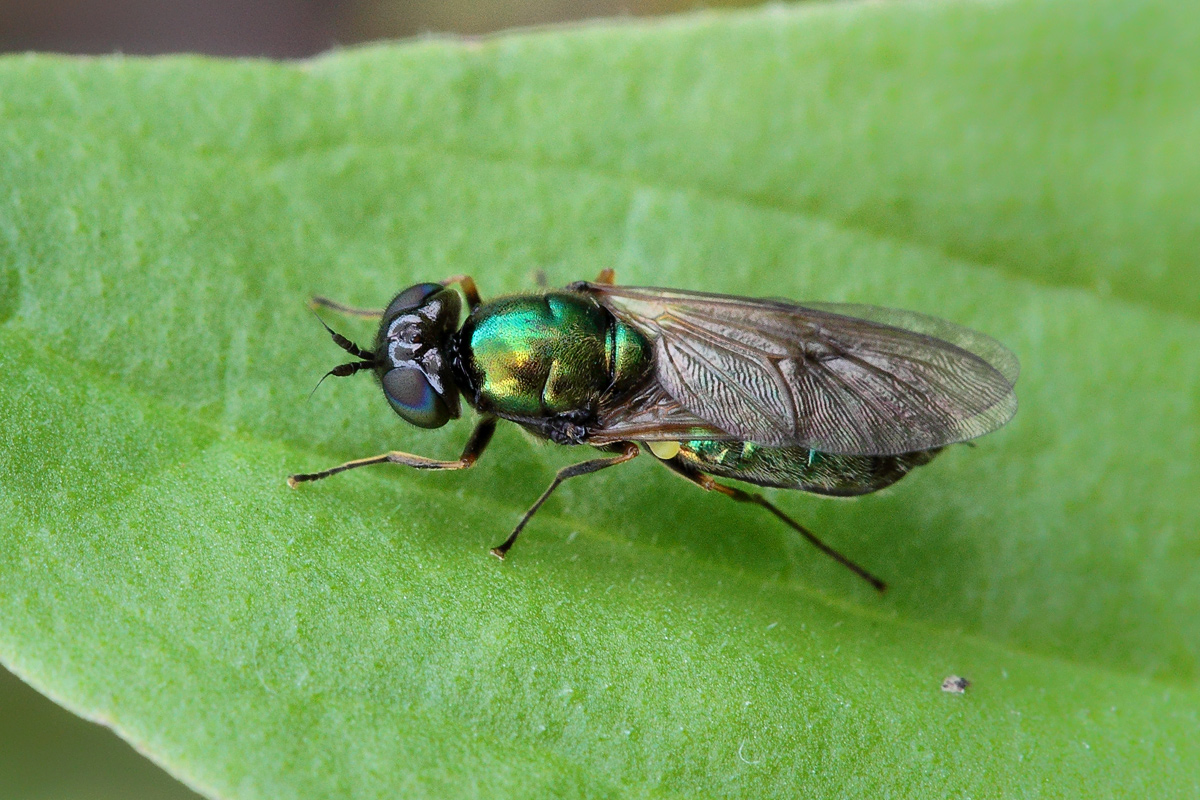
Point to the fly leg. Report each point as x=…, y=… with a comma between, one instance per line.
x=707, y=483
x=628, y=451
x=470, y=454
x=467, y=284
x=333, y=305
x=465, y=281
x=607, y=277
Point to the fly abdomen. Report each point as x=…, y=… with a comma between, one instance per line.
x=799, y=467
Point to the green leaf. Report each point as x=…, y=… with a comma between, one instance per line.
x=1026, y=168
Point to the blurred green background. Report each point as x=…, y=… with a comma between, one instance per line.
x=46, y=752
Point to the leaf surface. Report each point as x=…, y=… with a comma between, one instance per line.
x=1024, y=168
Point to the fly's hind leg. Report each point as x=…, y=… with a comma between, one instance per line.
x=627, y=451
x=470, y=454
x=707, y=483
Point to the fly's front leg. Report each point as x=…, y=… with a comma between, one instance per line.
x=341, y=308
x=465, y=281
x=707, y=483
x=467, y=284
x=470, y=454
x=628, y=451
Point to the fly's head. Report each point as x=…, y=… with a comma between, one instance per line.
x=412, y=354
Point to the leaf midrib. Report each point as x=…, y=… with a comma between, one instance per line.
x=156, y=407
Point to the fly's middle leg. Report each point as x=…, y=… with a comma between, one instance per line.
x=627, y=451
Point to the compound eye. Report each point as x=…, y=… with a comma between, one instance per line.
x=411, y=298
x=412, y=396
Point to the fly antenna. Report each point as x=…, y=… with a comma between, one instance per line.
x=347, y=345
x=370, y=360
x=342, y=371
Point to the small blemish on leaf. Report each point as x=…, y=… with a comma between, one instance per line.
x=744, y=758
x=955, y=685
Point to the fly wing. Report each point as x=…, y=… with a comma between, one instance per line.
x=846, y=379
x=651, y=415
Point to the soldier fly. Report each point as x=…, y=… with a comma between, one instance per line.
x=827, y=398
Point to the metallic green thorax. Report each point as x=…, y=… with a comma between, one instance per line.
x=799, y=467
x=559, y=353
